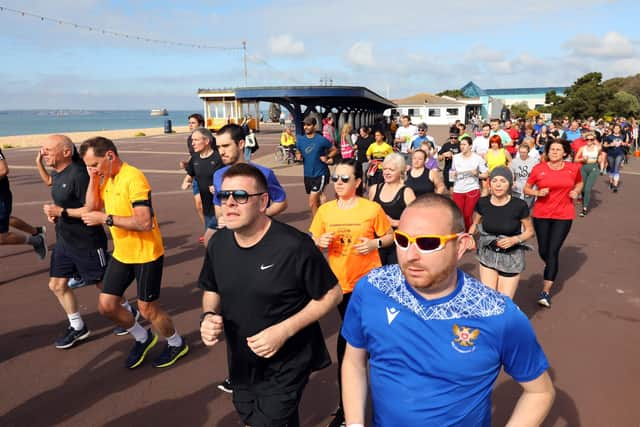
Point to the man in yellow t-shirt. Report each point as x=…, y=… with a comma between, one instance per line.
x=123, y=202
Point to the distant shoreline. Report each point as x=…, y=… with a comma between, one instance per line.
x=18, y=141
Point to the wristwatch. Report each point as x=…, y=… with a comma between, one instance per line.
x=379, y=243
x=109, y=220
x=64, y=213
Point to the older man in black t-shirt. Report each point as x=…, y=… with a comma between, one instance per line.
x=266, y=284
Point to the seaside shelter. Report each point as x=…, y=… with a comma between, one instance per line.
x=353, y=104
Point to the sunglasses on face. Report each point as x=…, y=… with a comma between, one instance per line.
x=343, y=178
x=240, y=196
x=425, y=244
x=591, y=139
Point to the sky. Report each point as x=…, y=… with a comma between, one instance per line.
x=395, y=49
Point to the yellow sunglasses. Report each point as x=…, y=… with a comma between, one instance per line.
x=425, y=243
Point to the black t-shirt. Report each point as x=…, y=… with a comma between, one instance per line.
x=68, y=190
x=446, y=147
x=5, y=191
x=421, y=184
x=202, y=169
x=502, y=220
x=363, y=146
x=261, y=286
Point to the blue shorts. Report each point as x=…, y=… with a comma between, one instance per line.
x=68, y=261
x=194, y=186
x=5, y=213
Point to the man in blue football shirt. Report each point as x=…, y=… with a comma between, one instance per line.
x=435, y=338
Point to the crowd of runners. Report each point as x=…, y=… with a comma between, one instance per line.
x=384, y=252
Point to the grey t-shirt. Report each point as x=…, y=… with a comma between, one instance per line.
x=521, y=170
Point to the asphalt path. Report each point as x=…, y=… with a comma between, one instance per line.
x=591, y=335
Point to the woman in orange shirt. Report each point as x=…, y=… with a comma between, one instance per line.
x=352, y=229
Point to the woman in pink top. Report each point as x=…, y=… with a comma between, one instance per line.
x=346, y=147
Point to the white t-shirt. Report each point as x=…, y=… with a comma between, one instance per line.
x=480, y=145
x=521, y=170
x=408, y=134
x=464, y=166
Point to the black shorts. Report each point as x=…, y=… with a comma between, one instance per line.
x=5, y=213
x=148, y=276
x=67, y=262
x=315, y=184
x=500, y=273
x=267, y=410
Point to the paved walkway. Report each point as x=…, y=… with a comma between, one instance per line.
x=591, y=335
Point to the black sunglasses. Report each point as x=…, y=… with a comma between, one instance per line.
x=343, y=178
x=240, y=196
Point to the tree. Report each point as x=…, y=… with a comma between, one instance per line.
x=519, y=109
x=623, y=104
x=453, y=93
x=588, y=96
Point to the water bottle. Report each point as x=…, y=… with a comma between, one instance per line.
x=452, y=175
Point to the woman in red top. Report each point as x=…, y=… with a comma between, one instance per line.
x=558, y=184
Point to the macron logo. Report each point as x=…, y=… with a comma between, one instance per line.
x=265, y=267
x=392, y=313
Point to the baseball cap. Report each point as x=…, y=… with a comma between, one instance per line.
x=423, y=126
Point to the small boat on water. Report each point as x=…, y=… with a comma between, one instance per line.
x=159, y=112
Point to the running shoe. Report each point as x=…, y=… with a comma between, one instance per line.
x=76, y=282
x=226, y=386
x=201, y=239
x=119, y=330
x=544, y=299
x=72, y=336
x=614, y=188
x=140, y=349
x=171, y=354
x=40, y=246
x=338, y=419
x=583, y=212
x=41, y=229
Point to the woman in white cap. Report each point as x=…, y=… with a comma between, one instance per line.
x=504, y=224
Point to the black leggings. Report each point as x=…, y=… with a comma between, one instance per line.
x=551, y=234
x=342, y=343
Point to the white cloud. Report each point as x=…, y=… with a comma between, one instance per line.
x=611, y=45
x=361, y=54
x=284, y=44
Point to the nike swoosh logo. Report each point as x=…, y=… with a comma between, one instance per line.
x=392, y=313
x=265, y=267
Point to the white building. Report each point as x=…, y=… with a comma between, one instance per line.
x=433, y=110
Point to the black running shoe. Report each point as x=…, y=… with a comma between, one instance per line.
x=615, y=188
x=119, y=330
x=140, y=349
x=226, y=386
x=40, y=246
x=72, y=336
x=171, y=354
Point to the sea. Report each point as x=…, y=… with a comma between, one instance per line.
x=26, y=122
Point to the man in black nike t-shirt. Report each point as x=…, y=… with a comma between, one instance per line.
x=266, y=285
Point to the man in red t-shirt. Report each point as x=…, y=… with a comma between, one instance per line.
x=514, y=133
x=579, y=142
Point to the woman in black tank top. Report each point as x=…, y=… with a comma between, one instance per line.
x=422, y=180
x=393, y=196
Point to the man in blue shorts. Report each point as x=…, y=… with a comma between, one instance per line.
x=434, y=338
x=34, y=236
x=317, y=153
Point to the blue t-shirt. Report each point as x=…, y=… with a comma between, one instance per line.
x=434, y=363
x=615, y=151
x=311, y=150
x=416, y=143
x=570, y=135
x=276, y=192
